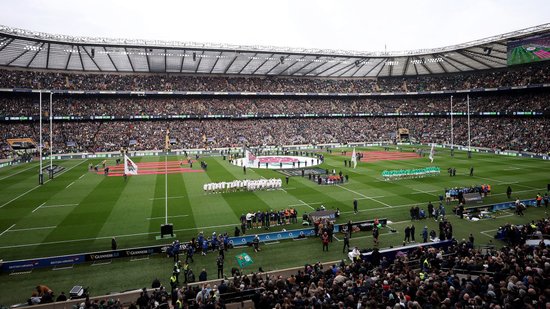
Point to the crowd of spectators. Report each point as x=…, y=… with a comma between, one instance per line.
x=86, y=106
x=521, y=134
x=518, y=76
x=460, y=276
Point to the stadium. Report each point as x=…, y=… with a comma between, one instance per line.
x=119, y=155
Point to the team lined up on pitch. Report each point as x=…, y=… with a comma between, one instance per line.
x=243, y=185
x=412, y=173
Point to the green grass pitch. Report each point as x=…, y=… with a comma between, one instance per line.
x=80, y=211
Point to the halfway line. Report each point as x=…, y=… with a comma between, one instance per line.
x=168, y=217
x=162, y=198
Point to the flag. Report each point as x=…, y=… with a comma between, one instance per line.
x=130, y=168
x=354, y=158
x=432, y=154
x=251, y=156
x=243, y=260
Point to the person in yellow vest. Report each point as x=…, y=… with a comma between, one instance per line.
x=185, y=271
x=426, y=264
x=179, y=303
x=173, y=281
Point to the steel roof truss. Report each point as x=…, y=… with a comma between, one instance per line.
x=111, y=59
x=290, y=66
x=36, y=54
x=80, y=56
x=130, y=60
x=215, y=62
x=91, y=58
x=261, y=65
x=68, y=59
x=315, y=68
x=18, y=56
x=330, y=67
x=249, y=60
x=474, y=59
x=199, y=62
x=230, y=63
x=364, y=61
x=374, y=67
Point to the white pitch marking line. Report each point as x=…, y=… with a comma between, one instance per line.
x=370, y=198
x=369, y=236
x=306, y=204
x=314, y=203
x=163, y=198
x=154, y=218
x=109, y=237
x=39, y=206
x=63, y=268
x=69, y=185
x=81, y=176
x=139, y=259
x=7, y=229
x=426, y=192
x=33, y=228
x=413, y=204
x=21, y=273
x=24, y=193
x=61, y=205
x=18, y=172
x=485, y=233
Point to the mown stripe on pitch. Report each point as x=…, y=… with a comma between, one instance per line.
x=88, y=218
x=181, y=206
x=24, y=205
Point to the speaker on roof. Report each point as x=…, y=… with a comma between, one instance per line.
x=93, y=52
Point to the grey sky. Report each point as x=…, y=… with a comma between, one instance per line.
x=344, y=24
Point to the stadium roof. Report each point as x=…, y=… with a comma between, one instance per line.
x=35, y=50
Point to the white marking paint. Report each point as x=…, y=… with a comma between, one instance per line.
x=7, y=229
x=39, y=207
x=170, y=197
x=179, y=216
x=18, y=172
x=33, y=228
x=304, y=203
x=366, y=197
x=25, y=193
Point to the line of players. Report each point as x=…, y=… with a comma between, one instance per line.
x=243, y=185
x=265, y=219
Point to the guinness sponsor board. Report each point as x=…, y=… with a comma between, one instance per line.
x=108, y=255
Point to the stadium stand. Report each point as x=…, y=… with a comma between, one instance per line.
x=461, y=276
x=503, y=119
